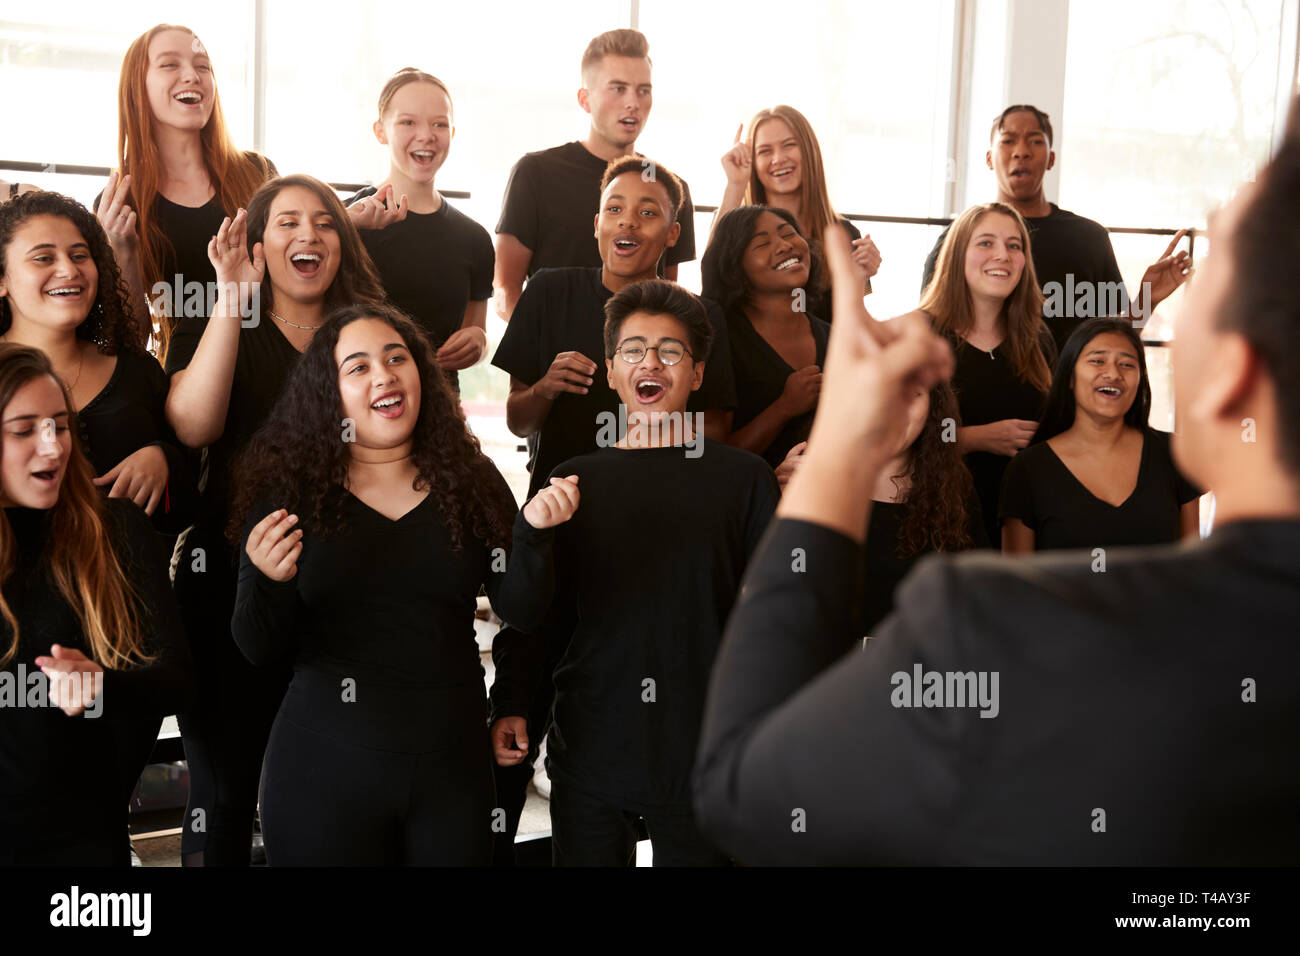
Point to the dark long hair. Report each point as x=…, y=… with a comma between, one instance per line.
x=297, y=461
x=1058, y=415
x=109, y=324
x=723, y=266
x=935, y=515
x=357, y=279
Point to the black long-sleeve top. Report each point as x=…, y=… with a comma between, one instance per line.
x=649, y=567
x=386, y=604
x=1159, y=700
x=59, y=777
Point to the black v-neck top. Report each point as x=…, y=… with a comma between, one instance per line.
x=1041, y=491
x=761, y=374
x=385, y=603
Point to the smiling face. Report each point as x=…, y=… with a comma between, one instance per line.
x=618, y=96
x=651, y=386
x=179, y=80
x=1106, y=377
x=1020, y=157
x=777, y=160
x=301, y=245
x=995, y=256
x=37, y=443
x=50, y=277
x=417, y=127
x=634, y=225
x=379, y=383
x=777, y=258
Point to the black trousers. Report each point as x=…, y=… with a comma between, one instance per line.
x=226, y=730
x=589, y=831
x=331, y=802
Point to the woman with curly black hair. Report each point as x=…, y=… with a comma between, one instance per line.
x=61, y=292
x=370, y=519
x=281, y=267
x=924, y=501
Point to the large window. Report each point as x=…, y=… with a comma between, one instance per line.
x=59, y=69
x=873, y=78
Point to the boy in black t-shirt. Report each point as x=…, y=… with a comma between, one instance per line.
x=648, y=568
x=552, y=194
x=1070, y=253
x=551, y=345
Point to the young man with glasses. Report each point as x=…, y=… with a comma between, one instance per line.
x=550, y=349
x=649, y=538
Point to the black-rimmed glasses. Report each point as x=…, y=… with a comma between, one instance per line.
x=670, y=351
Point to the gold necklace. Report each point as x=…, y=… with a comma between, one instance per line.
x=306, y=328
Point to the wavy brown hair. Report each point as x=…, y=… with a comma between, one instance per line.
x=948, y=300
x=109, y=323
x=79, y=553
x=296, y=460
x=935, y=514
x=235, y=175
x=357, y=280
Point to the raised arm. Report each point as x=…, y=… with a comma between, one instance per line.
x=770, y=745
x=199, y=396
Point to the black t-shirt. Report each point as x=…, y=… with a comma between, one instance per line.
x=60, y=779
x=821, y=304
x=1062, y=245
x=128, y=414
x=651, y=563
x=563, y=310
x=188, y=230
x=761, y=374
x=417, y=675
x=262, y=365
x=884, y=569
x=551, y=202
x=432, y=266
x=988, y=390
x=1124, y=692
x=1043, y=493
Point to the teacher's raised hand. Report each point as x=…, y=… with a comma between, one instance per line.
x=873, y=369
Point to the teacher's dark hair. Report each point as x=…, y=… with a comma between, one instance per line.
x=1265, y=308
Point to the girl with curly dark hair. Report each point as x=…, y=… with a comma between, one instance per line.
x=370, y=520
x=757, y=268
x=281, y=267
x=924, y=501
